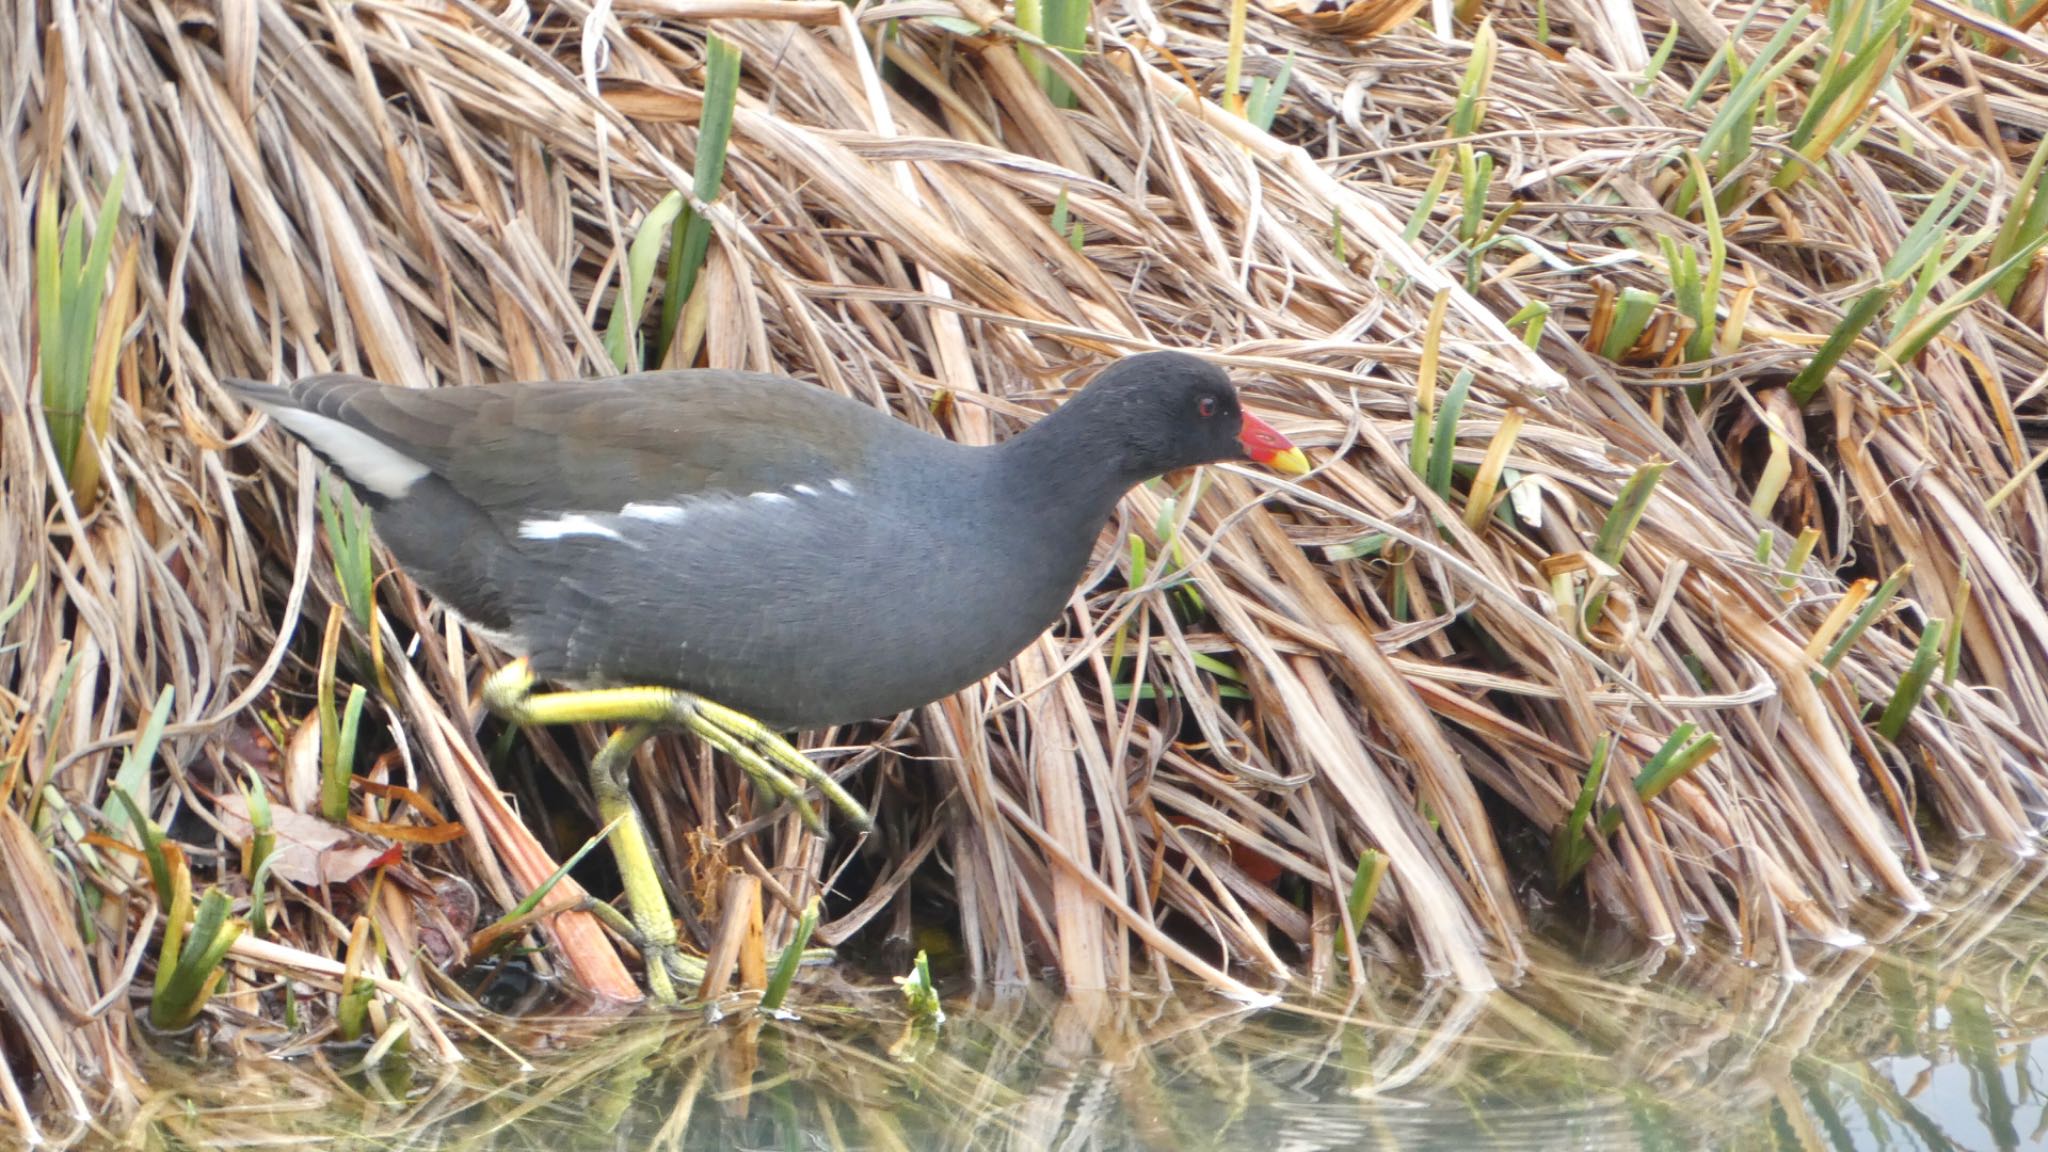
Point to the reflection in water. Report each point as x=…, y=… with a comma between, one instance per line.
x=1929, y=1038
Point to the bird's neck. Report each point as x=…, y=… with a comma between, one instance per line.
x=1068, y=470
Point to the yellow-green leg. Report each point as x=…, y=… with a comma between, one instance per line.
x=761, y=753
x=653, y=925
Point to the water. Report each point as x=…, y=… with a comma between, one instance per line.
x=1931, y=1038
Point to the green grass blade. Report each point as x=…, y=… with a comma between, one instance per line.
x=1810, y=379
x=1632, y=314
x=1444, y=441
x=919, y=993
x=132, y=779
x=1470, y=107
x=1726, y=138
x=690, y=231
x=622, y=330
x=1265, y=101
x=1570, y=848
x=338, y=770
x=792, y=957
x=198, y=970
x=1865, y=617
x=1627, y=512
x=1432, y=195
x=1923, y=331
x=151, y=839
x=2026, y=216
x=346, y=523
x=1906, y=696
x=1365, y=890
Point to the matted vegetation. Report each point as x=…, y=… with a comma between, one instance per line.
x=1712, y=320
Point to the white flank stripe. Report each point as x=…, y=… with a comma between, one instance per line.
x=842, y=487
x=806, y=490
x=771, y=497
x=574, y=524
x=658, y=513
x=363, y=458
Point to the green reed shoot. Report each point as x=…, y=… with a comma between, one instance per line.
x=622, y=331
x=1432, y=195
x=1698, y=297
x=1920, y=250
x=1533, y=316
x=1063, y=25
x=1627, y=512
x=920, y=994
x=256, y=858
x=1913, y=685
x=1808, y=383
x=346, y=523
x=1864, y=41
x=1620, y=524
x=1952, y=656
x=352, y=1011
x=189, y=964
x=1681, y=753
x=20, y=600
x=689, y=230
x=1723, y=58
x=1475, y=168
x=1865, y=617
x=1073, y=233
x=2026, y=216
x=1632, y=312
x=1365, y=890
x=1264, y=104
x=132, y=778
x=1802, y=551
x=1368, y=545
x=792, y=957
x=70, y=286
x=337, y=729
x=1444, y=439
x=1570, y=847
x=1475, y=173
x=1658, y=60
x=1913, y=334
x=494, y=937
x=1727, y=138
x=1770, y=483
x=1470, y=107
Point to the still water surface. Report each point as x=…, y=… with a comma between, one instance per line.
x=1930, y=1038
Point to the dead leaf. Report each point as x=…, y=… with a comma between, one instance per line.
x=310, y=851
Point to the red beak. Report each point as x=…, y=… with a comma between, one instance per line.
x=1265, y=445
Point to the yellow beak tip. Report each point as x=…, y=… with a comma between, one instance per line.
x=1293, y=462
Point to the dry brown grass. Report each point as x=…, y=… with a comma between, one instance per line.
x=436, y=194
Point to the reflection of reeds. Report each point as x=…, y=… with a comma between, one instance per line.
x=1640, y=1051
x=1412, y=654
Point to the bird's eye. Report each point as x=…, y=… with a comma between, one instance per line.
x=1207, y=407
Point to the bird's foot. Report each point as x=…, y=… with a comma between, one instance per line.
x=656, y=942
x=760, y=751
x=767, y=757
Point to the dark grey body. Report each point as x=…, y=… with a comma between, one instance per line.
x=758, y=541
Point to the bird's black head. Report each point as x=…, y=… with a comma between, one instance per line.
x=1158, y=411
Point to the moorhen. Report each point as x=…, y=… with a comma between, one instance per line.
x=739, y=553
